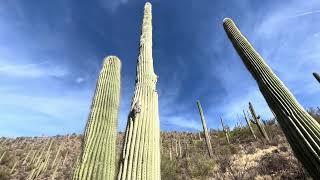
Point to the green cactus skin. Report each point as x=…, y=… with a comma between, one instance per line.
x=249, y=125
x=301, y=130
x=140, y=157
x=317, y=76
x=205, y=130
x=257, y=121
x=225, y=130
x=98, y=153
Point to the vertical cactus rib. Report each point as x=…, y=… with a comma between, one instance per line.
x=205, y=130
x=98, y=153
x=249, y=124
x=140, y=157
x=301, y=130
x=317, y=76
x=257, y=120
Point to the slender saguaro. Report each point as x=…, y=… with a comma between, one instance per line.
x=258, y=122
x=301, y=130
x=225, y=130
x=249, y=124
x=98, y=153
x=317, y=76
x=140, y=158
x=205, y=130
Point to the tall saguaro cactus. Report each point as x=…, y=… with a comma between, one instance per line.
x=249, y=125
x=225, y=130
x=98, y=154
x=140, y=158
x=205, y=130
x=256, y=120
x=301, y=130
x=317, y=76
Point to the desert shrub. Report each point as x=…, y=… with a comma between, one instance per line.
x=201, y=167
x=168, y=169
x=4, y=174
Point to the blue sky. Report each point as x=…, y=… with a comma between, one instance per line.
x=51, y=53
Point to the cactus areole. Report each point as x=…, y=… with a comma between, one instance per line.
x=140, y=157
x=98, y=155
x=301, y=130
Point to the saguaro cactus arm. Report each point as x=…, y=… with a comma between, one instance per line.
x=301, y=130
x=141, y=151
x=317, y=76
x=225, y=130
x=97, y=158
x=205, y=130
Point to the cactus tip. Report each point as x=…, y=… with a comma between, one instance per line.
x=226, y=20
x=147, y=5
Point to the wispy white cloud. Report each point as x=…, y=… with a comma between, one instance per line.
x=112, y=5
x=32, y=70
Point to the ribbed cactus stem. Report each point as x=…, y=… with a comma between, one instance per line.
x=141, y=151
x=98, y=153
x=2, y=156
x=14, y=166
x=199, y=133
x=301, y=130
x=249, y=125
x=180, y=149
x=57, y=155
x=170, y=153
x=260, y=124
x=317, y=76
x=225, y=130
x=205, y=130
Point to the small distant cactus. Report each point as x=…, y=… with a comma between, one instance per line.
x=317, y=76
x=205, y=130
x=249, y=124
x=257, y=121
x=98, y=154
x=140, y=158
x=225, y=130
x=301, y=130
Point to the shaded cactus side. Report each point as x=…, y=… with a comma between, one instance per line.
x=301, y=130
x=225, y=130
x=98, y=153
x=140, y=157
x=317, y=76
x=205, y=130
x=257, y=121
x=249, y=124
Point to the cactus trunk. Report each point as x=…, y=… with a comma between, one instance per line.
x=301, y=130
x=98, y=153
x=140, y=157
x=257, y=121
x=205, y=130
x=249, y=125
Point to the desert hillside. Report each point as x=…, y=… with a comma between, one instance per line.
x=184, y=156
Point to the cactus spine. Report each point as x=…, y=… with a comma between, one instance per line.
x=249, y=125
x=225, y=130
x=205, y=130
x=317, y=76
x=301, y=130
x=141, y=151
x=257, y=121
x=98, y=154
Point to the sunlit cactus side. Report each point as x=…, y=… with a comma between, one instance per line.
x=2, y=156
x=140, y=157
x=301, y=130
x=98, y=153
x=170, y=153
x=249, y=124
x=14, y=167
x=57, y=155
x=257, y=121
x=205, y=130
x=199, y=133
x=317, y=76
x=225, y=130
